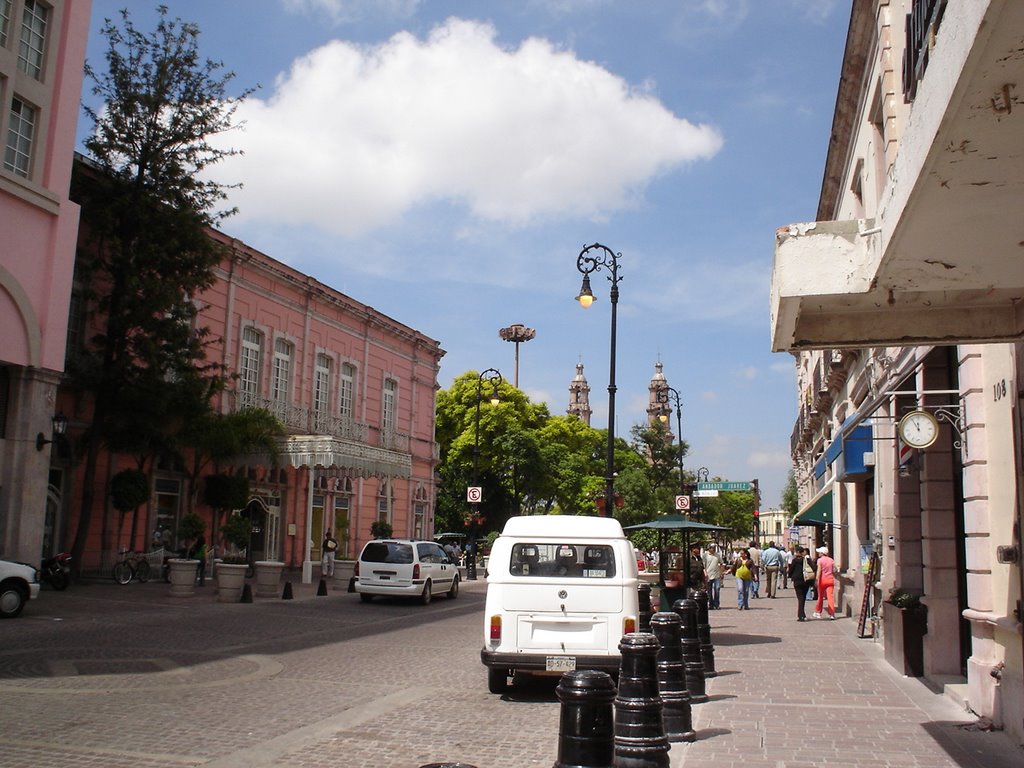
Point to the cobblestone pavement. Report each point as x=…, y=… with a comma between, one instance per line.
x=112, y=676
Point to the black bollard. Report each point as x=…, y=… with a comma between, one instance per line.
x=585, y=729
x=675, y=698
x=640, y=740
x=643, y=596
x=321, y=590
x=246, y=594
x=692, y=661
x=707, y=650
x=287, y=594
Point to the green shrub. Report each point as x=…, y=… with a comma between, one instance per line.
x=191, y=526
x=236, y=530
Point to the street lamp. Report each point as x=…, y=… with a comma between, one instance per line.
x=666, y=394
x=60, y=426
x=702, y=477
x=493, y=377
x=591, y=259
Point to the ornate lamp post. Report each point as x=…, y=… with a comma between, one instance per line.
x=493, y=377
x=667, y=395
x=592, y=259
x=517, y=333
x=702, y=477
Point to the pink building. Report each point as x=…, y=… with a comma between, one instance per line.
x=355, y=390
x=42, y=50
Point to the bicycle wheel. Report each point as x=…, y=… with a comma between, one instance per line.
x=142, y=570
x=122, y=572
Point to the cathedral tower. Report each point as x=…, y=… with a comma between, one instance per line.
x=655, y=409
x=579, y=396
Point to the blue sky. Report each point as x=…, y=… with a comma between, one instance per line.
x=445, y=163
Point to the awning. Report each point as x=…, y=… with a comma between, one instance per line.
x=817, y=512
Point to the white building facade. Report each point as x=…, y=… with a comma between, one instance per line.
x=903, y=297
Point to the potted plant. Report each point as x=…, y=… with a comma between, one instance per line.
x=182, y=571
x=381, y=529
x=231, y=571
x=904, y=624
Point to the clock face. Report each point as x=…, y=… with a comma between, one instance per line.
x=919, y=429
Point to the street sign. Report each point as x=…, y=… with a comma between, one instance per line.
x=474, y=494
x=704, y=494
x=682, y=503
x=725, y=486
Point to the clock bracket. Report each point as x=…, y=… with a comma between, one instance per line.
x=951, y=413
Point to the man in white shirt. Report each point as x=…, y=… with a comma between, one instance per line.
x=714, y=570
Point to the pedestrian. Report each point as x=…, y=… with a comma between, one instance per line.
x=787, y=558
x=198, y=552
x=825, y=583
x=802, y=574
x=713, y=569
x=743, y=570
x=328, y=551
x=771, y=565
x=695, y=573
x=754, y=554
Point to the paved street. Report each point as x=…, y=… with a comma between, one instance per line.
x=104, y=675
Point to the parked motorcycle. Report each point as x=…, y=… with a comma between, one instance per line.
x=56, y=570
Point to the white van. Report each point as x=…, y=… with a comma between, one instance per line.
x=561, y=593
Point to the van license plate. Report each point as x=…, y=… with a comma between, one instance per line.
x=560, y=663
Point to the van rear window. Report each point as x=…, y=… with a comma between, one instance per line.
x=387, y=552
x=579, y=561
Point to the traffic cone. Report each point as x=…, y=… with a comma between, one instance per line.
x=246, y=594
x=287, y=591
x=321, y=591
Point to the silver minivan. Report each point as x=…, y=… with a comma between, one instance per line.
x=561, y=593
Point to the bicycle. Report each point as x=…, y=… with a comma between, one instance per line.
x=131, y=566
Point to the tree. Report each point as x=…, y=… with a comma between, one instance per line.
x=508, y=454
x=129, y=489
x=146, y=205
x=789, y=495
x=214, y=439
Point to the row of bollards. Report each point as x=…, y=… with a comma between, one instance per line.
x=662, y=672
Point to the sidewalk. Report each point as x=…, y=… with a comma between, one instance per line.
x=800, y=695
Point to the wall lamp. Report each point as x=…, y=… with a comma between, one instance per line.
x=60, y=426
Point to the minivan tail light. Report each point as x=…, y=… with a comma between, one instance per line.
x=357, y=568
x=416, y=571
x=495, y=627
x=628, y=625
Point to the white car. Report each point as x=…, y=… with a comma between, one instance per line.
x=405, y=568
x=19, y=583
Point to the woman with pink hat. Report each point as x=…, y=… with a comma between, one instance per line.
x=826, y=581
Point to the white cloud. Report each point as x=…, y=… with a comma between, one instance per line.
x=353, y=137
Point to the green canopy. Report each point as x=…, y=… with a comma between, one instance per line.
x=817, y=513
x=676, y=523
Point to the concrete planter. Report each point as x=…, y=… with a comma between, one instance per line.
x=182, y=575
x=230, y=581
x=268, y=577
x=344, y=570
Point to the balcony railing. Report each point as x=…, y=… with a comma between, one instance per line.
x=298, y=419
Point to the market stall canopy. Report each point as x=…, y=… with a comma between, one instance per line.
x=449, y=535
x=676, y=523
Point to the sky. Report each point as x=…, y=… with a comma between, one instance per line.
x=447, y=162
